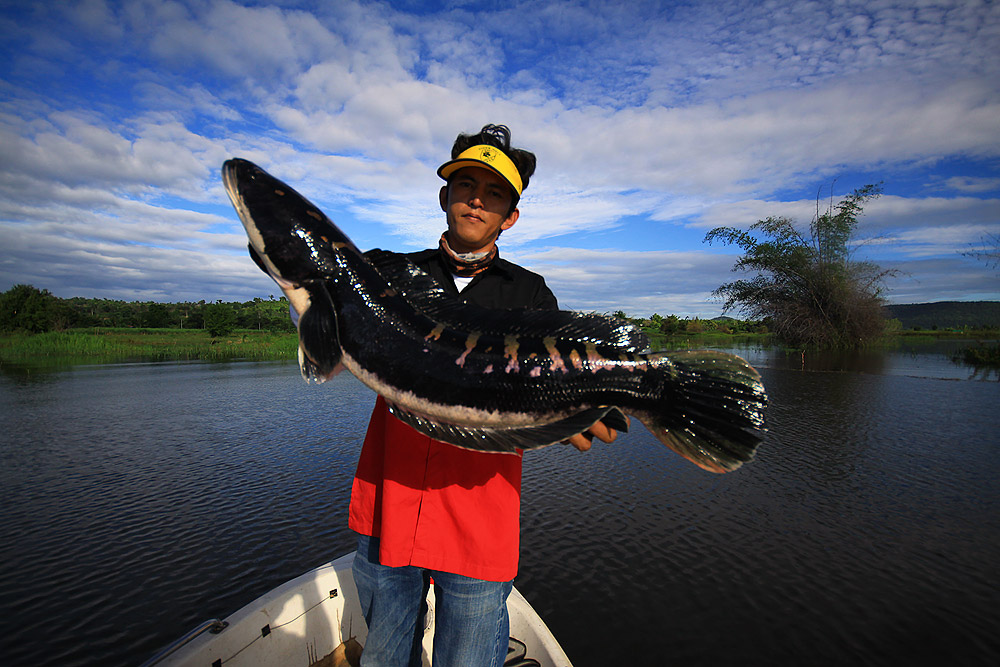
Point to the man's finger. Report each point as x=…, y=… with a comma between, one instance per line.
x=602, y=432
x=581, y=441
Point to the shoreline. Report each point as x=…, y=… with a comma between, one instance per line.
x=123, y=345
x=109, y=345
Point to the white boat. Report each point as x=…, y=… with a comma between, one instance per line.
x=315, y=620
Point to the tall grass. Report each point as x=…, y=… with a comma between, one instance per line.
x=979, y=355
x=91, y=346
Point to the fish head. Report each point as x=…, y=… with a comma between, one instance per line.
x=293, y=239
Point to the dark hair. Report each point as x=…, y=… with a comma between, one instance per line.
x=499, y=136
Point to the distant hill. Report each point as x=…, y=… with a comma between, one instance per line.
x=946, y=314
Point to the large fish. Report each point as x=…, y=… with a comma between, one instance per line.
x=492, y=380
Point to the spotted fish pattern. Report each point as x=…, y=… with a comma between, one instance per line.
x=490, y=380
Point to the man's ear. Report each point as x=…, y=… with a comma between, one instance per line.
x=511, y=219
x=443, y=198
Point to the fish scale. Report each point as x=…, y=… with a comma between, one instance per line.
x=491, y=380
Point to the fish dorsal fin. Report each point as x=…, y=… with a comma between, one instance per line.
x=424, y=293
x=405, y=276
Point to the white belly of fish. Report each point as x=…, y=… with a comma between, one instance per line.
x=453, y=414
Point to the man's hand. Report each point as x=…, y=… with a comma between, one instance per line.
x=582, y=441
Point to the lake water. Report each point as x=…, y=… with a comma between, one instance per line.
x=141, y=499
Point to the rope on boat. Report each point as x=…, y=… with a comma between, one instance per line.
x=215, y=626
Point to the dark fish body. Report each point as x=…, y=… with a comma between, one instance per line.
x=493, y=380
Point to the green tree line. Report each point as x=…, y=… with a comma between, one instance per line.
x=32, y=310
x=29, y=309
x=672, y=324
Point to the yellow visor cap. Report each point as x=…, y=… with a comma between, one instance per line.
x=490, y=157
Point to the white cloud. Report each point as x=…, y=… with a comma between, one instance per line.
x=947, y=278
x=937, y=241
x=96, y=19
x=267, y=41
x=972, y=184
x=906, y=224
x=69, y=267
x=898, y=212
x=639, y=283
x=81, y=149
x=113, y=126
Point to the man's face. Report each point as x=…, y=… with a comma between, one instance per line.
x=476, y=201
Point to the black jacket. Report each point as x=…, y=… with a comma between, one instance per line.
x=503, y=285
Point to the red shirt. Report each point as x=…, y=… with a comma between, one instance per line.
x=435, y=505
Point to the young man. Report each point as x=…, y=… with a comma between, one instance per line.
x=427, y=510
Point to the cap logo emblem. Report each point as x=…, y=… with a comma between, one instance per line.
x=489, y=156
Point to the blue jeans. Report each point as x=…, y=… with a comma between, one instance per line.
x=470, y=615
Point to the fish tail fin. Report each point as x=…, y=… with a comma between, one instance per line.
x=319, y=342
x=711, y=408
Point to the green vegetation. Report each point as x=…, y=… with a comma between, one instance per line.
x=96, y=346
x=39, y=328
x=809, y=290
x=674, y=333
x=961, y=315
x=980, y=355
x=220, y=319
x=24, y=308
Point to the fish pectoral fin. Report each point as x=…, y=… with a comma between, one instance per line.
x=255, y=256
x=313, y=372
x=615, y=419
x=319, y=341
x=272, y=272
x=508, y=440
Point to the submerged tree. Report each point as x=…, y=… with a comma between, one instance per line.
x=808, y=288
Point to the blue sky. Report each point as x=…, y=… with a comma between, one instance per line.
x=653, y=122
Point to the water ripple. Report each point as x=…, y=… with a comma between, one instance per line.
x=141, y=500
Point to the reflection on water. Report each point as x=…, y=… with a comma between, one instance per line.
x=918, y=358
x=142, y=499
